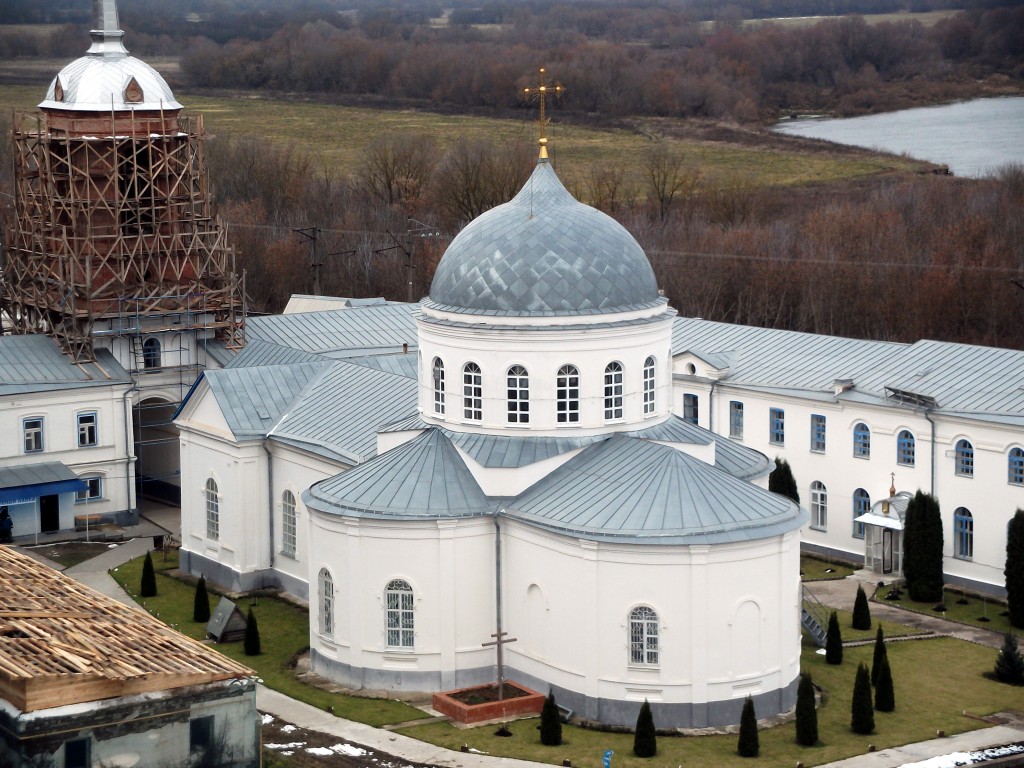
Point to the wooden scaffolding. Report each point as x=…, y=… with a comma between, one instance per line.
x=113, y=231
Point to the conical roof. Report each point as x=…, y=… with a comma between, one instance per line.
x=544, y=253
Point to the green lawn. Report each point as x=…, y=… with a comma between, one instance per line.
x=284, y=633
x=817, y=569
x=925, y=702
x=962, y=608
x=337, y=135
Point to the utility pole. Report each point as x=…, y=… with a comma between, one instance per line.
x=312, y=233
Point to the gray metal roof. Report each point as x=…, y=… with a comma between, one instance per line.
x=96, y=82
x=736, y=459
x=399, y=364
x=544, y=253
x=259, y=352
x=252, y=399
x=338, y=414
x=35, y=474
x=424, y=478
x=340, y=332
x=34, y=363
x=962, y=379
x=632, y=490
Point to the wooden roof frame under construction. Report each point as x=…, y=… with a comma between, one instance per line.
x=62, y=643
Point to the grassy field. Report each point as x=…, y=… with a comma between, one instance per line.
x=337, y=135
x=960, y=607
x=284, y=633
x=818, y=569
x=925, y=702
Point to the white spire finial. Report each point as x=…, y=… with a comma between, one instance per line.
x=106, y=34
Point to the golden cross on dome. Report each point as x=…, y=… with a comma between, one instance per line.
x=541, y=91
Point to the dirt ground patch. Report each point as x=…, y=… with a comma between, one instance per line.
x=288, y=746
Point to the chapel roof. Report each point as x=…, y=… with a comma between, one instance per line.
x=543, y=254
x=35, y=363
x=108, y=79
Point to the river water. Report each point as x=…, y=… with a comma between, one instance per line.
x=974, y=138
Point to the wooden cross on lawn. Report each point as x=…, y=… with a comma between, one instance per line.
x=499, y=642
x=540, y=92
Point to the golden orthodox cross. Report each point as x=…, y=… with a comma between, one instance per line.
x=541, y=91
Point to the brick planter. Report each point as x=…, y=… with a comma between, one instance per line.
x=529, y=702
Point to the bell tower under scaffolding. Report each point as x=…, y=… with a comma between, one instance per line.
x=114, y=244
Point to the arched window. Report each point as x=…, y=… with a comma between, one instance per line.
x=472, y=392
x=326, y=603
x=963, y=533
x=905, y=448
x=861, y=441
x=861, y=506
x=288, y=525
x=643, y=636
x=648, y=386
x=438, y=379
x=400, y=624
x=1015, y=467
x=613, y=391
x=151, y=353
x=819, y=505
x=518, y=381
x=567, y=395
x=212, y=510
x=964, y=458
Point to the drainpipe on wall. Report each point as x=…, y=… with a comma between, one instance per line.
x=711, y=406
x=270, y=499
x=497, y=600
x=928, y=416
x=127, y=448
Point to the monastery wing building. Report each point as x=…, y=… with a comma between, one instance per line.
x=522, y=470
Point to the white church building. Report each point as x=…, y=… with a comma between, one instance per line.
x=522, y=471
x=542, y=447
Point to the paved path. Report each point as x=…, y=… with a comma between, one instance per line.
x=839, y=593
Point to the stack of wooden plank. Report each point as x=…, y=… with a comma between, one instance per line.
x=64, y=643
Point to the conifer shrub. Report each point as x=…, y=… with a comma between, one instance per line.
x=201, y=603
x=147, y=587
x=252, y=635
x=645, y=740
x=550, y=722
x=781, y=480
x=880, y=654
x=922, y=549
x=862, y=714
x=806, y=713
x=833, y=641
x=1014, y=572
x=861, y=610
x=749, y=743
x=1009, y=663
x=885, y=696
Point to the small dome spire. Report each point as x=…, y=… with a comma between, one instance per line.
x=107, y=37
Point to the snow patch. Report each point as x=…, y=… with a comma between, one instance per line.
x=955, y=759
x=267, y=719
x=319, y=751
x=349, y=749
x=288, y=728
x=292, y=745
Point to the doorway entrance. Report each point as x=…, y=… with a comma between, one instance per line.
x=49, y=513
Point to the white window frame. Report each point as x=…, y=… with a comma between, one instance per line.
x=472, y=392
x=906, y=448
x=818, y=426
x=650, y=390
x=88, y=429
x=437, y=377
x=644, y=637
x=325, y=603
x=289, y=524
x=613, y=399
x=777, y=426
x=400, y=615
x=861, y=505
x=517, y=380
x=963, y=534
x=567, y=395
x=211, y=493
x=819, y=506
x=152, y=353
